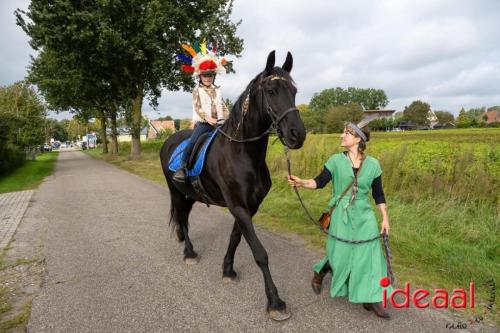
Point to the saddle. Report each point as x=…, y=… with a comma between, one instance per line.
x=195, y=163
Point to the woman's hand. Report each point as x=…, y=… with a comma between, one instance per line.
x=385, y=226
x=294, y=181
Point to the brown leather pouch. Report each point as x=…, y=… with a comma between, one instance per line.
x=324, y=220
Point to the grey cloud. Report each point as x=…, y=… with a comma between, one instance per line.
x=444, y=52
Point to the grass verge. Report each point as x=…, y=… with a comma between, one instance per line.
x=30, y=175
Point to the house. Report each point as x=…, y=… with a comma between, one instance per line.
x=156, y=126
x=444, y=125
x=370, y=115
x=124, y=133
x=491, y=116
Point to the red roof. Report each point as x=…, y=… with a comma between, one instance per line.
x=160, y=125
x=493, y=116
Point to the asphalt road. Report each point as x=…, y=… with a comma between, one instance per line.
x=114, y=266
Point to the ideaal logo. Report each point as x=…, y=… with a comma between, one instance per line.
x=458, y=300
x=440, y=299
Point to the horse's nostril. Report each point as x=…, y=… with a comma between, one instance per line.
x=293, y=133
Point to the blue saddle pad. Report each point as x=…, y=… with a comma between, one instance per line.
x=175, y=160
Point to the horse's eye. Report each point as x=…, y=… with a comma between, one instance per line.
x=270, y=92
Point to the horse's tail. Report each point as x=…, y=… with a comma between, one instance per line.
x=164, y=157
x=180, y=206
x=172, y=221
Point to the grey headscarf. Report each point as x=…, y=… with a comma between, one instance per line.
x=358, y=131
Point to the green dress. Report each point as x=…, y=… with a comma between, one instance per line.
x=357, y=268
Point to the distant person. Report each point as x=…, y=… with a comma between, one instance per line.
x=357, y=268
x=209, y=108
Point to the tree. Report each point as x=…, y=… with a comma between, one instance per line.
x=128, y=48
x=184, y=124
x=177, y=124
x=417, y=112
x=383, y=124
x=444, y=117
x=165, y=118
x=463, y=119
x=369, y=98
x=229, y=104
x=303, y=108
x=25, y=113
x=55, y=130
x=475, y=114
x=164, y=134
x=337, y=116
x=313, y=121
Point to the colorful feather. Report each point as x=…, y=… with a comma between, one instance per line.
x=189, y=49
x=223, y=62
x=196, y=47
x=187, y=68
x=185, y=58
x=203, y=47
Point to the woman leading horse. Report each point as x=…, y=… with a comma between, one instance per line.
x=235, y=174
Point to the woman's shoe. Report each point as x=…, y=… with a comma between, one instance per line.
x=316, y=282
x=317, y=279
x=377, y=309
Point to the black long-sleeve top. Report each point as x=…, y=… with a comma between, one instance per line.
x=377, y=192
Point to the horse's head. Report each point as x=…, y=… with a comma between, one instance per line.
x=277, y=91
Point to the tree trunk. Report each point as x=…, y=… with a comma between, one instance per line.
x=114, y=132
x=103, y=132
x=136, y=124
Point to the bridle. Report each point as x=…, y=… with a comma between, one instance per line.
x=275, y=118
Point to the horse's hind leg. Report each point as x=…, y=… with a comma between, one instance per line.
x=180, y=209
x=228, y=273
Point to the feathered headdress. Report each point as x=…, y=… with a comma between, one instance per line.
x=201, y=59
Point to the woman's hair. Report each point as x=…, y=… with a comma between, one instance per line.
x=362, y=144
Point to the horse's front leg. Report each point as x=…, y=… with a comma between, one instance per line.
x=276, y=308
x=228, y=273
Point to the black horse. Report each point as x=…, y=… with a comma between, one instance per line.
x=235, y=174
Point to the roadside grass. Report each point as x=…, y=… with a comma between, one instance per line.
x=30, y=175
x=12, y=319
x=4, y=298
x=442, y=193
x=19, y=320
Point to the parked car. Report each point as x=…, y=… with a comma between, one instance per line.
x=47, y=147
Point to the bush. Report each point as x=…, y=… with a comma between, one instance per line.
x=163, y=135
x=11, y=157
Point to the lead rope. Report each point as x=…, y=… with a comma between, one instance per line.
x=385, y=237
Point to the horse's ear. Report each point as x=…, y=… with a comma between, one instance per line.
x=287, y=66
x=270, y=62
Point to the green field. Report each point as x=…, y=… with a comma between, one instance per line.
x=30, y=174
x=442, y=194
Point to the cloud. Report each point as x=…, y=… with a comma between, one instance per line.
x=444, y=52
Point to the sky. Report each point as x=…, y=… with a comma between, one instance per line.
x=443, y=52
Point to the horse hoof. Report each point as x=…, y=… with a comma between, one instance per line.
x=279, y=315
x=191, y=261
x=230, y=279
